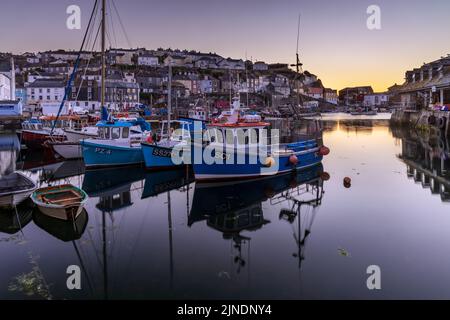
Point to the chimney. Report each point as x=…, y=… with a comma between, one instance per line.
x=13, y=80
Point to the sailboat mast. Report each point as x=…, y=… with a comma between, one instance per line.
x=169, y=99
x=103, y=53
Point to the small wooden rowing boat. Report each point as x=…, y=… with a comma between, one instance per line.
x=15, y=188
x=63, y=202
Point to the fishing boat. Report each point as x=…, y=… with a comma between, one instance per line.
x=63, y=202
x=36, y=132
x=15, y=188
x=158, y=155
x=235, y=155
x=87, y=132
x=66, y=149
x=115, y=145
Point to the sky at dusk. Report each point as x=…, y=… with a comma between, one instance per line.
x=335, y=43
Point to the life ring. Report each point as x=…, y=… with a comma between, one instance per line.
x=150, y=139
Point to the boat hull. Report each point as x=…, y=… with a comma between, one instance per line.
x=64, y=202
x=35, y=140
x=12, y=200
x=74, y=136
x=67, y=213
x=10, y=194
x=69, y=150
x=282, y=164
x=97, y=155
x=158, y=157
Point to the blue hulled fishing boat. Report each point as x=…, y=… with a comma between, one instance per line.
x=235, y=150
x=116, y=145
x=158, y=155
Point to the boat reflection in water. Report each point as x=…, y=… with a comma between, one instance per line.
x=9, y=151
x=112, y=187
x=232, y=208
x=427, y=159
x=64, y=230
x=164, y=181
x=14, y=220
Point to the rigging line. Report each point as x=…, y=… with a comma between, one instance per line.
x=121, y=24
x=91, y=31
x=72, y=76
x=137, y=238
x=112, y=25
x=88, y=63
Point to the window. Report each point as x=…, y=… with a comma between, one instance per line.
x=48, y=97
x=40, y=90
x=40, y=97
x=56, y=98
x=115, y=133
x=125, y=133
x=48, y=90
x=101, y=133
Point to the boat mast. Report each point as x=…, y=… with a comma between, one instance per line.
x=103, y=53
x=169, y=99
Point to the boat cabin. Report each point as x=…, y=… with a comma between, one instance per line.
x=114, y=130
x=175, y=133
x=60, y=122
x=34, y=125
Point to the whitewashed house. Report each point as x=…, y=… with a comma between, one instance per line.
x=45, y=91
x=231, y=64
x=5, y=87
x=260, y=66
x=148, y=60
x=376, y=100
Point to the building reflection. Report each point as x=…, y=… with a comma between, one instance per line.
x=427, y=159
x=234, y=208
x=9, y=152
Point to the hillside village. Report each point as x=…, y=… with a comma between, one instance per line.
x=140, y=76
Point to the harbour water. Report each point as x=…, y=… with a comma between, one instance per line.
x=304, y=236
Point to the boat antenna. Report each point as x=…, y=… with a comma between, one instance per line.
x=298, y=65
x=169, y=99
x=77, y=62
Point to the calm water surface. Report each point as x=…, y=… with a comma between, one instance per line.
x=297, y=236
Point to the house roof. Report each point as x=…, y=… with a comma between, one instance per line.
x=47, y=83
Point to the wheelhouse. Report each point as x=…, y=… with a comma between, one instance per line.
x=114, y=131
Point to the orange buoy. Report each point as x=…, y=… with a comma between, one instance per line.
x=293, y=160
x=323, y=151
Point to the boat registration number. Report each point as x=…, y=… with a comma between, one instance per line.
x=102, y=151
x=162, y=153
